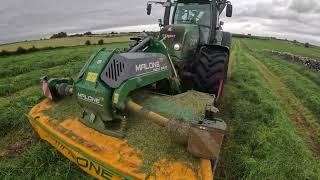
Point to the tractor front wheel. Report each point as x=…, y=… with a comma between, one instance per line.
x=210, y=71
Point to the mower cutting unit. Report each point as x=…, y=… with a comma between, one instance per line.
x=191, y=53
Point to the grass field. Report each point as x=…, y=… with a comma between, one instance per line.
x=273, y=129
x=19, y=92
x=271, y=107
x=68, y=41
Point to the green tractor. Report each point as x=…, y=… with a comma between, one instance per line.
x=191, y=53
x=199, y=49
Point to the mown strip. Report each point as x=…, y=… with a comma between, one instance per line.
x=300, y=85
x=305, y=121
x=73, y=59
x=310, y=74
x=13, y=84
x=38, y=63
x=262, y=141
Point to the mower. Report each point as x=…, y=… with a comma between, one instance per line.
x=188, y=59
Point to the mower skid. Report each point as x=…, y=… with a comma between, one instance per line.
x=106, y=157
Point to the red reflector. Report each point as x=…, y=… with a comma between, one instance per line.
x=45, y=88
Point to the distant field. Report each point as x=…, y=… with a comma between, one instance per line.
x=284, y=46
x=68, y=41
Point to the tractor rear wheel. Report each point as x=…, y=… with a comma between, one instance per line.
x=210, y=71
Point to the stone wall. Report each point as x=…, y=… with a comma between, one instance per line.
x=308, y=62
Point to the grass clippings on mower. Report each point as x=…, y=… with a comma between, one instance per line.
x=152, y=140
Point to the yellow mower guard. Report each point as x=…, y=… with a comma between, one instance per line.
x=106, y=157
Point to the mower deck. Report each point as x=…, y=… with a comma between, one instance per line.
x=107, y=157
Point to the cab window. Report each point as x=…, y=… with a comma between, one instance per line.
x=193, y=13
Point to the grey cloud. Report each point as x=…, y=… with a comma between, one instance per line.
x=304, y=6
x=298, y=28
x=282, y=3
x=269, y=11
x=282, y=17
x=33, y=19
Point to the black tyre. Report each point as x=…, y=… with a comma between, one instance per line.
x=210, y=71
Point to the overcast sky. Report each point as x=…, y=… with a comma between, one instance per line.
x=35, y=19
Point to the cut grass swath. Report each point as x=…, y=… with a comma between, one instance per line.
x=19, y=64
x=70, y=64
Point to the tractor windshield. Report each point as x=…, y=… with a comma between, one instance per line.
x=193, y=13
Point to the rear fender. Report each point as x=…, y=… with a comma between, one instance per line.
x=222, y=40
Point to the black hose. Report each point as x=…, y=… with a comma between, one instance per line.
x=140, y=45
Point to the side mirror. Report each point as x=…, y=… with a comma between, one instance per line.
x=229, y=10
x=149, y=7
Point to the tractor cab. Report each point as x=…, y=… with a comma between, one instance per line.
x=195, y=42
x=189, y=24
x=198, y=14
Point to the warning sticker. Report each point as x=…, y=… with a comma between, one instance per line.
x=92, y=77
x=116, y=98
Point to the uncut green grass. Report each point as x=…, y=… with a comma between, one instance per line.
x=283, y=46
x=40, y=160
x=263, y=143
x=304, y=85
